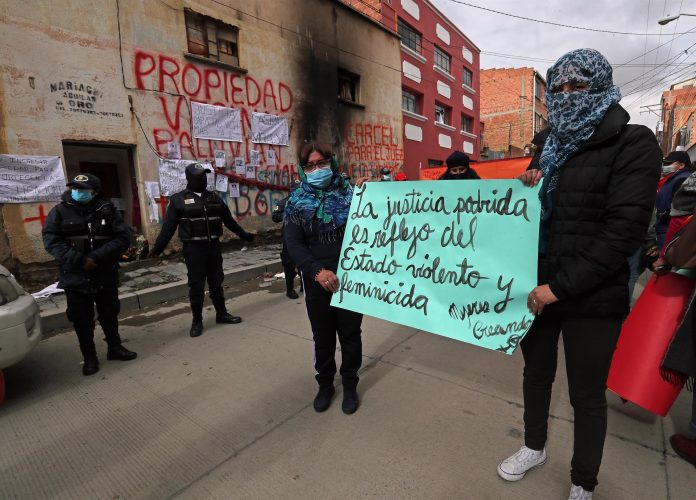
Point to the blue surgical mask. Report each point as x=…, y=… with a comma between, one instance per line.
x=81, y=195
x=320, y=178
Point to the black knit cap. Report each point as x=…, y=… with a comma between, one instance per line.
x=680, y=156
x=85, y=181
x=457, y=159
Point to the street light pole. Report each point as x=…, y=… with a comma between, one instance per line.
x=669, y=19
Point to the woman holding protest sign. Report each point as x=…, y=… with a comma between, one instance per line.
x=315, y=219
x=598, y=182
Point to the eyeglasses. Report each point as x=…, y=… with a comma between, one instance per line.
x=317, y=164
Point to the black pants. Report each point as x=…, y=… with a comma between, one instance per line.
x=80, y=312
x=289, y=269
x=588, y=344
x=204, y=262
x=328, y=321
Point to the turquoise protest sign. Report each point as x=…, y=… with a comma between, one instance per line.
x=455, y=258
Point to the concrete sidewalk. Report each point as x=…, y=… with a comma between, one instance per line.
x=164, y=279
x=229, y=415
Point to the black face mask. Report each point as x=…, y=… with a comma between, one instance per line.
x=197, y=183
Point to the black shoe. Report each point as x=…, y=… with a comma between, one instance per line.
x=350, y=400
x=323, y=399
x=196, y=328
x=121, y=353
x=292, y=294
x=91, y=365
x=227, y=318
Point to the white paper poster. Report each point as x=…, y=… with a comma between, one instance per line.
x=172, y=176
x=270, y=158
x=152, y=190
x=221, y=183
x=234, y=189
x=174, y=151
x=250, y=172
x=220, y=158
x=239, y=167
x=210, y=185
x=255, y=157
x=28, y=179
x=218, y=123
x=269, y=129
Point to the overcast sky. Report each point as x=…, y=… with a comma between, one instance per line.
x=501, y=34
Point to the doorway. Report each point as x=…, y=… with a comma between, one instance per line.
x=114, y=167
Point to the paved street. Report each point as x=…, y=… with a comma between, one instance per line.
x=228, y=415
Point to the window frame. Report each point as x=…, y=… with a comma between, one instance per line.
x=204, y=46
x=353, y=79
x=447, y=113
x=439, y=54
x=466, y=72
x=470, y=121
x=416, y=100
x=410, y=30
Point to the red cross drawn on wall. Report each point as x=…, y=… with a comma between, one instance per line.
x=41, y=217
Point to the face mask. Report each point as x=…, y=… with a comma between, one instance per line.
x=669, y=169
x=386, y=177
x=197, y=183
x=320, y=178
x=81, y=195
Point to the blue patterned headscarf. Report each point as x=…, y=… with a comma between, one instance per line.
x=326, y=209
x=573, y=117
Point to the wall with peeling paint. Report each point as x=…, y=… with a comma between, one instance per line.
x=70, y=73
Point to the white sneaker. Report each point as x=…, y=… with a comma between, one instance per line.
x=515, y=467
x=578, y=493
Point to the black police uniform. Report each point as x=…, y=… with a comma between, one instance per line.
x=75, y=233
x=200, y=215
x=289, y=267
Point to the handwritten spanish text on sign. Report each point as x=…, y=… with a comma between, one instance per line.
x=269, y=129
x=455, y=258
x=28, y=179
x=218, y=123
x=172, y=176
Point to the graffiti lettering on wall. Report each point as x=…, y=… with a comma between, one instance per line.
x=40, y=218
x=221, y=88
x=77, y=97
x=371, y=147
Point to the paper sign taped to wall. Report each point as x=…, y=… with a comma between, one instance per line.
x=234, y=189
x=255, y=157
x=239, y=166
x=174, y=151
x=220, y=158
x=221, y=182
x=172, y=176
x=28, y=179
x=455, y=258
x=250, y=172
x=218, y=123
x=270, y=158
x=269, y=129
x=152, y=190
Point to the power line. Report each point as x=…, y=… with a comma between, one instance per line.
x=552, y=23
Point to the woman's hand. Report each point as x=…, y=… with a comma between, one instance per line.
x=327, y=280
x=660, y=267
x=539, y=298
x=531, y=177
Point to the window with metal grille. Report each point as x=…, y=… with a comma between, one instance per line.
x=442, y=59
x=210, y=38
x=442, y=114
x=467, y=124
x=409, y=101
x=468, y=77
x=409, y=37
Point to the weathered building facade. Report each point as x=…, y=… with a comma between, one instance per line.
x=675, y=129
x=107, y=85
x=512, y=111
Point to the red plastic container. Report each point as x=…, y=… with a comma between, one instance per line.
x=647, y=332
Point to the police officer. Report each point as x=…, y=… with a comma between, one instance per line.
x=200, y=215
x=87, y=235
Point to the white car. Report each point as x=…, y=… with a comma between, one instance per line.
x=20, y=323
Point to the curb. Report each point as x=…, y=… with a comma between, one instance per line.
x=54, y=320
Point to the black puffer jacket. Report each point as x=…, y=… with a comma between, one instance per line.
x=74, y=232
x=601, y=210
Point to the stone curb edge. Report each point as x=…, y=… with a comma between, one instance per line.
x=54, y=320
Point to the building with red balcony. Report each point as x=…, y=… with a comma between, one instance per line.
x=440, y=84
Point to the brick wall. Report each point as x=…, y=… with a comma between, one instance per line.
x=678, y=106
x=508, y=106
x=370, y=8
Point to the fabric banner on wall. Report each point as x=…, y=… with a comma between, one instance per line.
x=269, y=129
x=455, y=258
x=29, y=179
x=217, y=123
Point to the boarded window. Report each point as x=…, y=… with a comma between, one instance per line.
x=211, y=38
